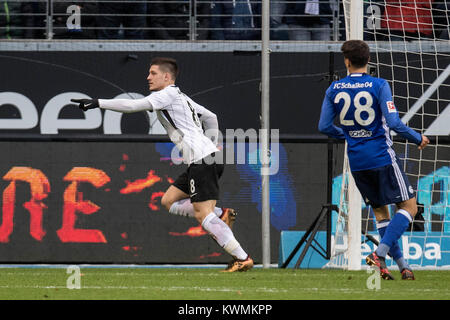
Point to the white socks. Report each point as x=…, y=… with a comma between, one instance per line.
x=184, y=207
x=218, y=229
x=223, y=235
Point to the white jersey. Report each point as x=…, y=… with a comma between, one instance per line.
x=181, y=117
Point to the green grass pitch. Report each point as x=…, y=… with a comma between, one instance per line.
x=211, y=284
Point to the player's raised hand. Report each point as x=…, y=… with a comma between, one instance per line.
x=424, y=142
x=86, y=104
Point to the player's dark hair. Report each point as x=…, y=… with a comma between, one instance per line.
x=166, y=65
x=357, y=51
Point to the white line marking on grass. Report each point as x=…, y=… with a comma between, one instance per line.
x=215, y=289
x=173, y=288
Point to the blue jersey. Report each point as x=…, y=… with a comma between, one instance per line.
x=366, y=113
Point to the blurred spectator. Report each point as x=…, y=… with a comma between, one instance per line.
x=121, y=19
x=39, y=19
x=342, y=34
x=74, y=21
x=171, y=20
x=235, y=20
x=278, y=26
x=16, y=20
x=309, y=20
x=410, y=18
x=441, y=19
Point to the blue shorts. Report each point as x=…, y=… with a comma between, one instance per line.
x=383, y=186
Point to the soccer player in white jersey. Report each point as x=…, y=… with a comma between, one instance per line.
x=367, y=113
x=196, y=191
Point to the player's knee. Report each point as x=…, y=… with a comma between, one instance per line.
x=410, y=206
x=413, y=210
x=199, y=216
x=166, y=202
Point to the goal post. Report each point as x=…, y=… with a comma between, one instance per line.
x=351, y=237
x=354, y=19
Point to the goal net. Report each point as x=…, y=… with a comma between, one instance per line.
x=410, y=49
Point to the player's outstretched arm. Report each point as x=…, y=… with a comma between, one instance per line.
x=119, y=105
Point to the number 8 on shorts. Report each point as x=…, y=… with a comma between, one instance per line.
x=192, y=185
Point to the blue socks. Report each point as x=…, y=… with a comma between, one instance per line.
x=393, y=232
x=394, y=251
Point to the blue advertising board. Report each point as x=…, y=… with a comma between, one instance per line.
x=424, y=249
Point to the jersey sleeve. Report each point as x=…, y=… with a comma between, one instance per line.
x=125, y=105
x=161, y=99
x=326, y=121
x=208, y=119
x=392, y=118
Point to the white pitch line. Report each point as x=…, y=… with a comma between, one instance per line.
x=176, y=288
x=223, y=289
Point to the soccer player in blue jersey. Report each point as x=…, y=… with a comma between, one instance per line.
x=366, y=114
